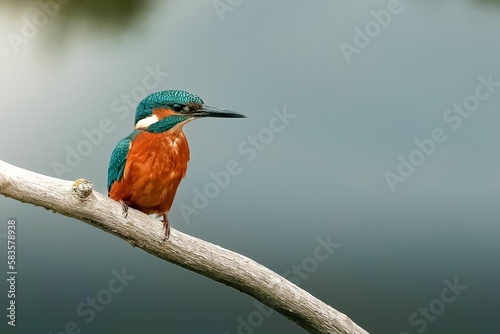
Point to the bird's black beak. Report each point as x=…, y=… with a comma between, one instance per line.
x=206, y=111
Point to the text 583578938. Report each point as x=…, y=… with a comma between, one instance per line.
x=11, y=272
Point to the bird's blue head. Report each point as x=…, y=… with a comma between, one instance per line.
x=162, y=111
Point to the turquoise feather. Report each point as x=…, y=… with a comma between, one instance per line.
x=119, y=158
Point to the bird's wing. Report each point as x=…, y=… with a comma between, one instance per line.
x=119, y=158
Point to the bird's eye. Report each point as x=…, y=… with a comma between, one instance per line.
x=177, y=107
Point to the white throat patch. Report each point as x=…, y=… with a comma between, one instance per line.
x=145, y=122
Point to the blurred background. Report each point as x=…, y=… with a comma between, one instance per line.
x=360, y=83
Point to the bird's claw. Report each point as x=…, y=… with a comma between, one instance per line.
x=166, y=227
x=124, y=208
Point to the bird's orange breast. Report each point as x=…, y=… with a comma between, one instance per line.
x=156, y=164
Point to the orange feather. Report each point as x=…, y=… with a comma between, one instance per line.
x=156, y=164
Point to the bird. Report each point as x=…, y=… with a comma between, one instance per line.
x=147, y=166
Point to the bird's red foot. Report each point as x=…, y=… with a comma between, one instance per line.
x=125, y=208
x=166, y=227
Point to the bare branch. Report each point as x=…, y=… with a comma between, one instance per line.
x=77, y=200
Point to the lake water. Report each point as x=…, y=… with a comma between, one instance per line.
x=371, y=126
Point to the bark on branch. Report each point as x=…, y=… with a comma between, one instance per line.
x=78, y=200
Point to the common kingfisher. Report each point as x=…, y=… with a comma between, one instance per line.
x=146, y=167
